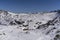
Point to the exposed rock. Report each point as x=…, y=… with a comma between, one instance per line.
x=18, y=22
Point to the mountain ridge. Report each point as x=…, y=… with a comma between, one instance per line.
x=40, y=26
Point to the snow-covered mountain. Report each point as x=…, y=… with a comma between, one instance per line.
x=23, y=26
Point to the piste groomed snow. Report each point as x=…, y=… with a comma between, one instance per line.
x=28, y=26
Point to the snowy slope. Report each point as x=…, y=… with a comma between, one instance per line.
x=40, y=26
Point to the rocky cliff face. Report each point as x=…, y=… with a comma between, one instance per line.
x=44, y=26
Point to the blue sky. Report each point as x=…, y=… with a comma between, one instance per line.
x=29, y=5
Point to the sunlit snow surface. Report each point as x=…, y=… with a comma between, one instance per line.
x=33, y=27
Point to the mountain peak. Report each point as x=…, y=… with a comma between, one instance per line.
x=3, y=12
